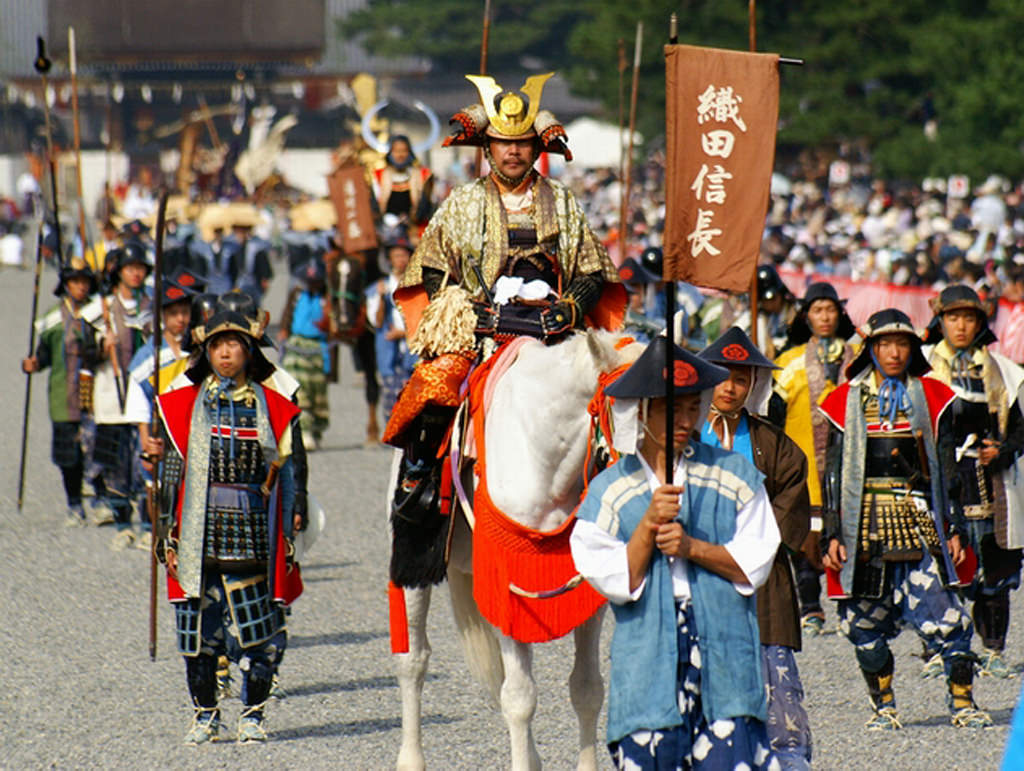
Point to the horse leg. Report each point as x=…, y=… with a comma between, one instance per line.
x=518, y=703
x=586, y=689
x=411, y=669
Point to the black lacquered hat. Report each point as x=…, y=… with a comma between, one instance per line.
x=735, y=348
x=889, y=322
x=800, y=330
x=958, y=297
x=645, y=379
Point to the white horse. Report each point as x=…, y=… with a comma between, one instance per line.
x=536, y=439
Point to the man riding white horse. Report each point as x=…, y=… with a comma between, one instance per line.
x=506, y=255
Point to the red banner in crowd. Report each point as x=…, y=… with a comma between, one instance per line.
x=865, y=297
x=351, y=198
x=721, y=113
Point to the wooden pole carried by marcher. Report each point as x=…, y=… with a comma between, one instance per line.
x=42, y=65
x=28, y=375
x=73, y=69
x=484, y=42
x=153, y=499
x=627, y=182
x=670, y=331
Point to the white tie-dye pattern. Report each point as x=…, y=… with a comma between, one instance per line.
x=723, y=728
x=701, y=747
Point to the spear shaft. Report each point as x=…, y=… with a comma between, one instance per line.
x=154, y=418
x=28, y=375
x=42, y=65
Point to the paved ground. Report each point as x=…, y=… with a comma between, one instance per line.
x=78, y=689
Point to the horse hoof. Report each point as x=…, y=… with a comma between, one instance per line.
x=410, y=761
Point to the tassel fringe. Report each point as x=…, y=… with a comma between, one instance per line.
x=447, y=325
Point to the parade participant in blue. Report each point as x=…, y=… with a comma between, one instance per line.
x=395, y=362
x=679, y=555
x=814, y=363
x=891, y=538
x=251, y=263
x=988, y=431
x=735, y=423
x=304, y=334
x=229, y=556
x=68, y=348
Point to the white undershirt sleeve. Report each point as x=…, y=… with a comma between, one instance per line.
x=601, y=558
x=755, y=541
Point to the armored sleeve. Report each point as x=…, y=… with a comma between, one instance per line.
x=946, y=447
x=832, y=490
x=1013, y=444
x=432, y=279
x=585, y=291
x=300, y=471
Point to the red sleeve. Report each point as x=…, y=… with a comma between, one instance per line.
x=939, y=396
x=280, y=411
x=176, y=411
x=834, y=406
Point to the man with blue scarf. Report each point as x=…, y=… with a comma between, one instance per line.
x=890, y=537
x=679, y=557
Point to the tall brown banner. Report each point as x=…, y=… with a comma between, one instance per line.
x=351, y=198
x=721, y=112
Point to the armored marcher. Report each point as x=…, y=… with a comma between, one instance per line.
x=504, y=256
x=988, y=431
x=118, y=405
x=229, y=555
x=401, y=186
x=891, y=538
x=735, y=423
x=68, y=348
x=813, y=365
x=679, y=556
x=304, y=334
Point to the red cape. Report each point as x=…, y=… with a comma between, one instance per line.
x=938, y=395
x=176, y=409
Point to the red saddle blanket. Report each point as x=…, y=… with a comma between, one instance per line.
x=506, y=552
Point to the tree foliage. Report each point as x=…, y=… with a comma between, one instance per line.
x=876, y=72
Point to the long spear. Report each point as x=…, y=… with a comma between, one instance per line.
x=73, y=68
x=670, y=333
x=42, y=65
x=752, y=35
x=154, y=418
x=637, y=48
x=484, y=41
x=28, y=375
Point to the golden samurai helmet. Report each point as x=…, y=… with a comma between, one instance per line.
x=508, y=115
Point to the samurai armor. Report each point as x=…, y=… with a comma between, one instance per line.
x=255, y=615
x=112, y=449
x=236, y=526
x=186, y=626
x=66, y=449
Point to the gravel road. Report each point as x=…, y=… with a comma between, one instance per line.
x=77, y=688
